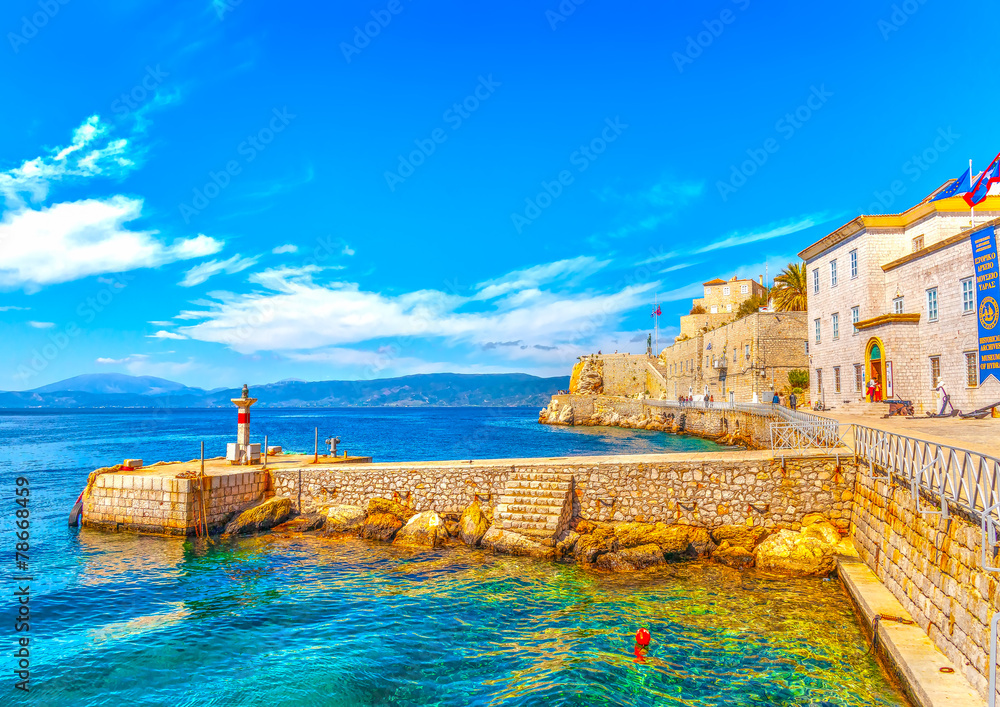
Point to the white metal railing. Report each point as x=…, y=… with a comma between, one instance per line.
x=805, y=435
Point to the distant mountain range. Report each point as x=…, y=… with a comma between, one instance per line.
x=116, y=390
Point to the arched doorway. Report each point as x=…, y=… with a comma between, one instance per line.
x=875, y=369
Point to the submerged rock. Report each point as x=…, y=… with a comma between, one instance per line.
x=508, y=543
x=425, y=529
x=630, y=559
x=674, y=540
x=796, y=553
x=472, y=526
x=735, y=556
x=302, y=524
x=380, y=526
x=344, y=519
x=747, y=537
x=263, y=516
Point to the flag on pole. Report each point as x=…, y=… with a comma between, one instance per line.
x=959, y=186
x=982, y=186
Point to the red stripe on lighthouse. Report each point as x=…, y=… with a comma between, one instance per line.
x=242, y=418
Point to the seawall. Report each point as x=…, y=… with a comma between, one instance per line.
x=716, y=423
x=933, y=567
x=711, y=489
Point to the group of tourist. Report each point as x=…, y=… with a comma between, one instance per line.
x=688, y=400
x=793, y=400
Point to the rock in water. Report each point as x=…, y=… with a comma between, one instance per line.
x=472, y=526
x=508, y=543
x=599, y=541
x=567, y=545
x=425, y=529
x=344, y=519
x=630, y=559
x=302, y=524
x=380, y=526
x=263, y=516
x=822, y=530
x=796, y=553
x=735, y=556
x=740, y=535
x=384, y=505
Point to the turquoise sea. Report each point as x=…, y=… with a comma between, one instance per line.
x=121, y=619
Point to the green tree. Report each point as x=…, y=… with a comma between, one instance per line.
x=750, y=305
x=697, y=309
x=798, y=378
x=789, y=293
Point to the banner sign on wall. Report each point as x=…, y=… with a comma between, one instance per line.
x=888, y=380
x=984, y=252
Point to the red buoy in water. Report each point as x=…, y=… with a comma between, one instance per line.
x=642, y=637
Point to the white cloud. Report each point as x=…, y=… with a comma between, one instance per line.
x=42, y=325
x=287, y=248
x=163, y=334
x=295, y=313
x=650, y=208
x=161, y=323
x=73, y=240
x=773, y=230
x=532, y=277
x=12, y=308
x=91, y=153
x=200, y=273
x=348, y=250
x=143, y=365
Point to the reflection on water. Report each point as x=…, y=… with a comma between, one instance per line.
x=344, y=622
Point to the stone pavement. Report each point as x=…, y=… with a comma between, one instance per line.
x=981, y=436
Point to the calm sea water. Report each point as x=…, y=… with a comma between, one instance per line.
x=122, y=619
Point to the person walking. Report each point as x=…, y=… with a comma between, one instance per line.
x=792, y=401
x=775, y=401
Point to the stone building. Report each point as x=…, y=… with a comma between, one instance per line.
x=892, y=298
x=721, y=299
x=739, y=360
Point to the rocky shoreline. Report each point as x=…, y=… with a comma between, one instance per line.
x=661, y=420
x=611, y=547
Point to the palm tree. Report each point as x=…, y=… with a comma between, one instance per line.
x=789, y=293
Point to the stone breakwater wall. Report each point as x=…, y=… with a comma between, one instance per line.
x=933, y=568
x=448, y=487
x=147, y=503
x=616, y=411
x=709, y=490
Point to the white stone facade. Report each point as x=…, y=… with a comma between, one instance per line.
x=902, y=277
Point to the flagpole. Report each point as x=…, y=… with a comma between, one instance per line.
x=973, y=213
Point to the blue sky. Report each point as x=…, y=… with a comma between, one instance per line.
x=242, y=190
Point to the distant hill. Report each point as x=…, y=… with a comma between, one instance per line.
x=432, y=389
x=117, y=383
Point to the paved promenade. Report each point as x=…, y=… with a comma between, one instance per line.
x=981, y=436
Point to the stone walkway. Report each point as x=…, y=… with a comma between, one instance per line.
x=981, y=436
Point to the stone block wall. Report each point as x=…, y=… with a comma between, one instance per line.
x=752, y=488
x=932, y=567
x=446, y=488
x=150, y=503
x=624, y=374
x=712, y=490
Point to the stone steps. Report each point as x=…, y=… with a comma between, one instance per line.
x=536, y=504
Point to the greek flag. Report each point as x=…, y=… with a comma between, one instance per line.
x=982, y=187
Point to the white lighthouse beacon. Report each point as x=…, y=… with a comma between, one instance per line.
x=242, y=452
